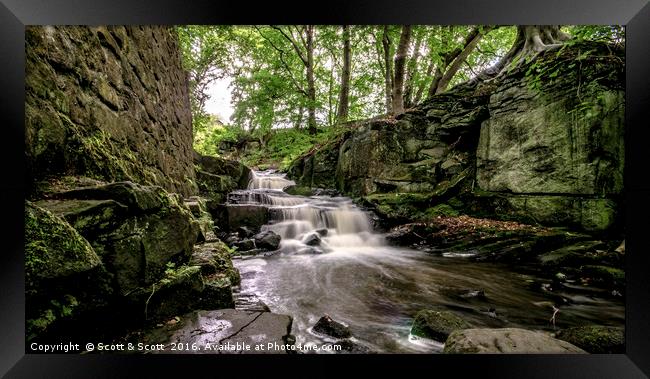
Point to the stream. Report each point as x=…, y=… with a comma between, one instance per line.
x=356, y=278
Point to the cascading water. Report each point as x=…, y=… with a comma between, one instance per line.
x=302, y=222
x=331, y=262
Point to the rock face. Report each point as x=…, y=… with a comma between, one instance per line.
x=542, y=145
x=216, y=177
x=436, y=325
x=507, y=340
x=136, y=230
x=229, y=329
x=546, y=139
x=108, y=102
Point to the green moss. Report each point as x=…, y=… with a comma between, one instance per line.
x=595, y=339
x=437, y=325
x=53, y=248
x=441, y=210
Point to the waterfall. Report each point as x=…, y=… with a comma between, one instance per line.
x=268, y=180
x=308, y=224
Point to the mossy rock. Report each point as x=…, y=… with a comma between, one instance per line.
x=298, y=190
x=53, y=248
x=604, y=275
x=595, y=339
x=437, y=325
x=214, y=258
x=177, y=292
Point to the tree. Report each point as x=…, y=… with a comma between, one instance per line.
x=301, y=39
x=412, y=70
x=204, y=54
x=344, y=92
x=452, y=60
x=530, y=41
x=388, y=69
x=400, y=62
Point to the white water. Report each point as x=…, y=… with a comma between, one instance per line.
x=337, y=222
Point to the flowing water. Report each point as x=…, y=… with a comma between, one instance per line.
x=353, y=276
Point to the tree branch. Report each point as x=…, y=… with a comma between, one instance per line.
x=286, y=66
x=294, y=44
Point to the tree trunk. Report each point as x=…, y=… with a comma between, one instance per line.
x=420, y=91
x=530, y=40
x=298, y=123
x=388, y=70
x=342, y=113
x=471, y=41
x=411, y=72
x=400, y=62
x=311, y=88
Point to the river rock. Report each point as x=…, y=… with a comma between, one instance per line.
x=595, y=339
x=506, y=340
x=244, y=232
x=549, y=154
x=231, y=329
x=267, y=240
x=176, y=292
x=312, y=239
x=322, y=232
x=437, y=325
x=245, y=245
x=326, y=325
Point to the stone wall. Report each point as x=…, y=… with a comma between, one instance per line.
x=109, y=103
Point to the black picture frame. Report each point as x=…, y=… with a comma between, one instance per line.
x=15, y=14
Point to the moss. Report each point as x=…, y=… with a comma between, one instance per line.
x=604, y=274
x=437, y=325
x=595, y=339
x=53, y=248
x=441, y=210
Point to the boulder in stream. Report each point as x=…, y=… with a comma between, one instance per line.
x=245, y=245
x=506, y=340
x=312, y=239
x=437, y=325
x=267, y=240
x=326, y=325
x=595, y=339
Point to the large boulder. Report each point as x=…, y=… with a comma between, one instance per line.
x=180, y=290
x=506, y=340
x=136, y=230
x=198, y=207
x=437, y=325
x=595, y=339
x=267, y=240
x=63, y=274
x=225, y=331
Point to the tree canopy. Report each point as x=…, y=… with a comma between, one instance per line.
x=311, y=78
